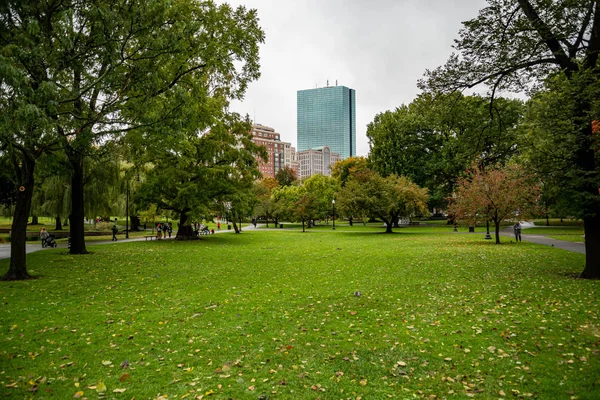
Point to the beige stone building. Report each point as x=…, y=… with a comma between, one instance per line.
x=317, y=161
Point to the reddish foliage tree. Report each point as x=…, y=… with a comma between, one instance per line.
x=495, y=194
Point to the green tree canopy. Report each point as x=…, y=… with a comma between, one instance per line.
x=515, y=45
x=387, y=198
x=434, y=139
x=80, y=73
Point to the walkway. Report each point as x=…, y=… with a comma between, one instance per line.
x=576, y=247
x=32, y=247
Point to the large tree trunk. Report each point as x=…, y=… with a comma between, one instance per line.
x=388, y=225
x=185, y=230
x=77, y=231
x=34, y=220
x=17, y=269
x=585, y=160
x=497, y=231
x=591, y=229
x=58, y=225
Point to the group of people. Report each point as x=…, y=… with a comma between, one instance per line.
x=163, y=229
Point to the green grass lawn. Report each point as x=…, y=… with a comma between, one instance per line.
x=273, y=314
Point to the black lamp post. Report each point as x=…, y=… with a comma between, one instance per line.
x=333, y=209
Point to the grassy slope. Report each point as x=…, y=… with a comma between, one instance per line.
x=274, y=313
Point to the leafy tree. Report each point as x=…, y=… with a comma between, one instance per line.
x=497, y=194
x=263, y=191
x=88, y=71
x=515, y=45
x=322, y=191
x=551, y=142
x=200, y=170
x=434, y=139
x=295, y=204
x=286, y=176
x=388, y=199
x=353, y=200
x=344, y=169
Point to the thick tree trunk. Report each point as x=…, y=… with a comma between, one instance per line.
x=389, y=224
x=591, y=229
x=58, y=225
x=17, y=269
x=34, y=220
x=235, y=227
x=497, y=231
x=585, y=159
x=77, y=231
x=185, y=230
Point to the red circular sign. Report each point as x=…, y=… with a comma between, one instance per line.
x=22, y=189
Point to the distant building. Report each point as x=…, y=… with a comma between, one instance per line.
x=279, y=153
x=317, y=161
x=327, y=117
x=291, y=159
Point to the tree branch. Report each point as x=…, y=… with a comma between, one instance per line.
x=568, y=65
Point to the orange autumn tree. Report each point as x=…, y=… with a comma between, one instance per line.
x=497, y=194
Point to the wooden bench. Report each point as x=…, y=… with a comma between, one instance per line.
x=150, y=237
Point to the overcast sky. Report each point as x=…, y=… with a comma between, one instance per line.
x=380, y=48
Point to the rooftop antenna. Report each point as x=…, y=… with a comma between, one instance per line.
x=327, y=82
x=336, y=82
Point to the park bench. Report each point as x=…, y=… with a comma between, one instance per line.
x=150, y=237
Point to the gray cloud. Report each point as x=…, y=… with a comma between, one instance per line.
x=380, y=48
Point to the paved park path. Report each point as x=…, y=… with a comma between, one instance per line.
x=576, y=247
x=32, y=247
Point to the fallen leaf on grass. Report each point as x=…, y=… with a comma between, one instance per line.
x=78, y=394
x=119, y=390
x=101, y=388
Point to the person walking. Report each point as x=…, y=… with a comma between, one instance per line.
x=169, y=229
x=517, y=229
x=114, y=232
x=44, y=236
x=218, y=225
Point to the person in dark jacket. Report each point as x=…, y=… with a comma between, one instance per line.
x=517, y=230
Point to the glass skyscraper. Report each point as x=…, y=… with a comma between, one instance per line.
x=327, y=117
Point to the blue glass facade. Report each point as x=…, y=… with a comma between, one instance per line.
x=327, y=117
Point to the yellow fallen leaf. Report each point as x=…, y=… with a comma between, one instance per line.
x=101, y=388
x=119, y=390
x=78, y=394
